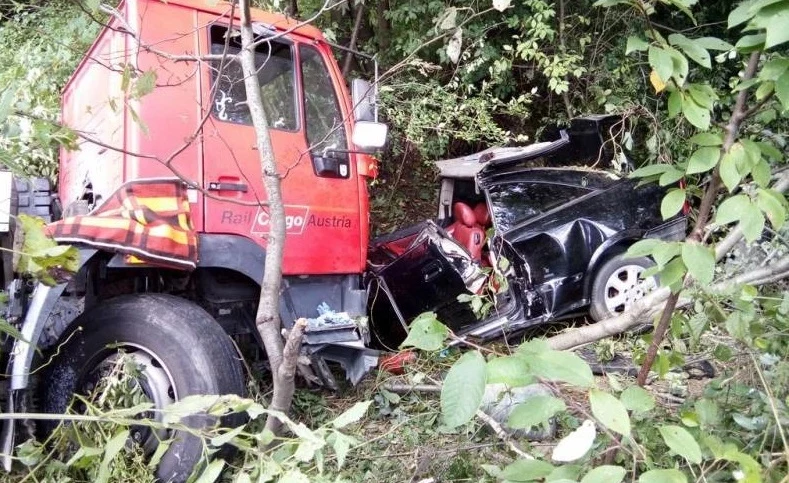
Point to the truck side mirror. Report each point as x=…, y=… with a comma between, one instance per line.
x=364, y=103
x=369, y=136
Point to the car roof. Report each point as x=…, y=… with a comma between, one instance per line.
x=467, y=167
x=573, y=176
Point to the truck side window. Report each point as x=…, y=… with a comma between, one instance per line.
x=277, y=82
x=325, y=127
x=516, y=202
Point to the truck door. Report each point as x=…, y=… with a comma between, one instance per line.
x=321, y=193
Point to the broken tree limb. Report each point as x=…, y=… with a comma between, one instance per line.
x=647, y=307
x=502, y=434
x=285, y=374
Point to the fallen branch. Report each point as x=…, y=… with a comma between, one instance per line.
x=647, y=307
x=502, y=434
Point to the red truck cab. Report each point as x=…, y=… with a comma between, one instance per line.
x=197, y=120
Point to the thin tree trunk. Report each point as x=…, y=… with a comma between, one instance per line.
x=267, y=317
x=705, y=210
x=354, y=35
x=562, y=48
x=382, y=32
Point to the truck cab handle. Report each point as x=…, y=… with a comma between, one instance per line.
x=217, y=186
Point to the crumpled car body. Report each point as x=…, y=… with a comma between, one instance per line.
x=555, y=226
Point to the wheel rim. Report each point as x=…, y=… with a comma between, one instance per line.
x=624, y=287
x=154, y=379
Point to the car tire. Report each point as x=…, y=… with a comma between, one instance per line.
x=181, y=349
x=617, y=285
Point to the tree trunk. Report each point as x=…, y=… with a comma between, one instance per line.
x=357, y=23
x=267, y=317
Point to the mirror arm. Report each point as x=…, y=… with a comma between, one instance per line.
x=328, y=152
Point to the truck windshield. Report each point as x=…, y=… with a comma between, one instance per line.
x=277, y=82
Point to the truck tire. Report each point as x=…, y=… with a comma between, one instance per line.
x=616, y=286
x=180, y=350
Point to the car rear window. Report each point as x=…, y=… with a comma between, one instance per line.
x=517, y=202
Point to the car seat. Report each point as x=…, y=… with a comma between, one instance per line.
x=467, y=230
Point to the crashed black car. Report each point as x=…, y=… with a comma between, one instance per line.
x=561, y=226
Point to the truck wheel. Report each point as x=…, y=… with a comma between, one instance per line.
x=617, y=285
x=179, y=350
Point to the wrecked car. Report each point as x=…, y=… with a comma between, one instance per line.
x=533, y=233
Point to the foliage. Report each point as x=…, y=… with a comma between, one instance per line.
x=39, y=49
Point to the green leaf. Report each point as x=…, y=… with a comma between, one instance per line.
x=666, y=251
x=352, y=415
x=706, y=139
x=700, y=261
x=742, y=13
x=773, y=204
x=703, y=94
x=605, y=474
x=463, y=389
x=672, y=203
x=773, y=69
x=752, y=223
x=750, y=43
x=663, y=476
x=671, y=275
x=729, y=173
x=534, y=411
x=703, y=160
x=681, y=442
x=510, y=370
x=670, y=177
x=635, y=44
x=713, y=43
x=674, y=104
x=637, y=399
x=226, y=437
x=562, y=366
x=782, y=89
x=696, y=52
x=660, y=60
x=6, y=102
x=761, y=173
x=650, y=170
x=212, y=471
x=609, y=411
x=145, y=84
x=777, y=31
x=707, y=412
x=643, y=248
x=695, y=114
x=732, y=209
x=426, y=333
x=564, y=474
x=526, y=470
x=111, y=450
x=680, y=65
x=342, y=445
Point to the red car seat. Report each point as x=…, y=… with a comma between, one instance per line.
x=467, y=230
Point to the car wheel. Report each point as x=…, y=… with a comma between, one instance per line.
x=617, y=286
x=178, y=349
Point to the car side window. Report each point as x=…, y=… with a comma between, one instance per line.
x=516, y=202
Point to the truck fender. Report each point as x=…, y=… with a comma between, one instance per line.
x=233, y=252
x=41, y=304
x=626, y=237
